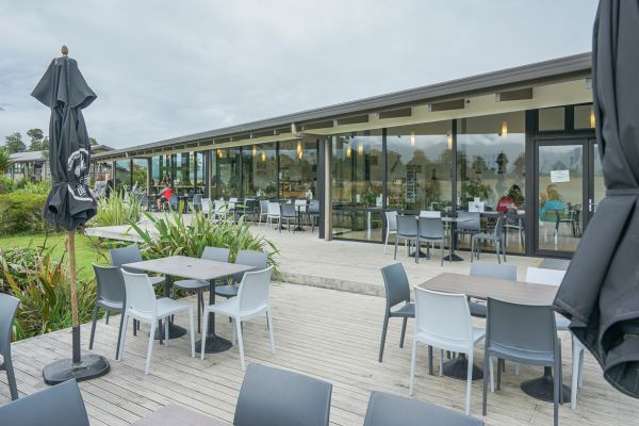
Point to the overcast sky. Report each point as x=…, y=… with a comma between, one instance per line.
x=169, y=68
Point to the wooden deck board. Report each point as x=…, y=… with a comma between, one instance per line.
x=323, y=333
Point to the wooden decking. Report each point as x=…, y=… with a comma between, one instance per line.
x=324, y=333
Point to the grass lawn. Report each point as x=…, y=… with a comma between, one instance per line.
x=86, y=253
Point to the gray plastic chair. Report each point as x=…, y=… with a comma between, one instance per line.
x=197, y=202
x=385, y=409
x=496, y=237
x=257, y=259
x=129, y=254
x=525, y=334
x=313, y=213
x=470, y=226
x=431, y=231
x=60, y=405
x=407, y=231
x=490, y=270
x=398, y=304
x=274, y=397
x=110, y=296
x=174, y=202
x=8, y=309
x=288, y=214
x=217, y=254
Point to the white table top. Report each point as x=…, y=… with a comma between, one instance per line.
x=189, y=267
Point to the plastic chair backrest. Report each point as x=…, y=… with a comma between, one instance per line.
x=140, y=295
x=8, y=309
x=314, y=206
x=501, y=271
x=206, y=205
x=430, y=214
x=431, y=227
x=273, y=208
x=299, y=400
x=109, y=283
x=407, y=225
x=523, y=327
x=218, y=254
x=173, y=202
x=499, y=227
x=443, y=315
x=301, y=205
x=288, y=210
x=391, y=220
x=396, y=284
x=552, y=277
x=128, y=254
x=59, y=405
x=219, y=206
x=254, y=289
x=385, y=409
x=473, y=222
x=263, y=206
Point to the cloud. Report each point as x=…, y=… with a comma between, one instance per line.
x=167, y=68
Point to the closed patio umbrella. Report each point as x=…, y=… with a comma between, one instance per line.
x=70, y=203
x=600, y=292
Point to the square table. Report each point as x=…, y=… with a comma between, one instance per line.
x=196, y=269
x=171, y=415
x=520, y=292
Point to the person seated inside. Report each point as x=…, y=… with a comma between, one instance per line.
x=165, y=194
x=511, y=201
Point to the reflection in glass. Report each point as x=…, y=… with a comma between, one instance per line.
x=552, y=119
x=123, y=175
x=139, y=173
x=584, y=117
x=357, y=185
x=298, y=169
x=260, y=170
x=560, y=182
x=229, y=178
x=491, y=170
x=419, y=167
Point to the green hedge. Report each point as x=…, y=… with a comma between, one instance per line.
x=21, y=212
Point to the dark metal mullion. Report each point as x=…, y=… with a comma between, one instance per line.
x=278, y=192
x=530, y=234
x=454, y=167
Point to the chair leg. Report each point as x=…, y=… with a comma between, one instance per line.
x=199, y=313
x=149, y=351
x=269, y=322
x=412, y=368
x=396, y=242
x=204, y=331
x=577, y=356
x=488, y=367
x=11, y=377
x=240, y=341
x=383, y=339
x=498, y=250
x=472, y=249
x=491, y=370
x=136, y=326
x=401, y=340
x=166, y=332
x=386, y=240
x=441, y=362
x=123, y=339
x=430, y=360
x=95, y=319
x=192, y=332
x=556, y=392
x=117, y=349
x=106, y=318
x=469, y=381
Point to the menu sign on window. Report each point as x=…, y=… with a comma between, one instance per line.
x=558, y=176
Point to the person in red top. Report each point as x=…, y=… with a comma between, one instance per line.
x=510, y=200
x=165, y=194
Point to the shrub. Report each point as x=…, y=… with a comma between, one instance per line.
x=41, y=284
x=6, y=184
x=175, y=237
x=39, y=187
x=22, y=212
x=118, y=209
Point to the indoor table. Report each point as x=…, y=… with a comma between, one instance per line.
x=451, y=222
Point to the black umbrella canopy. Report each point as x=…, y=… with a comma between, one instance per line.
x=600, y=292
x=63, y=89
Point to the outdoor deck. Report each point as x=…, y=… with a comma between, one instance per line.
x=325, y=333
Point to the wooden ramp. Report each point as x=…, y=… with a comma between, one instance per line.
x=324, y=333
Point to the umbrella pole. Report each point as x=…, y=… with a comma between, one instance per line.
x=73, y=283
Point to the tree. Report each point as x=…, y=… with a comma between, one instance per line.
x=93, y=142
x=4, y=160
x=45, y=144
x=14, y=143
x=36, y=135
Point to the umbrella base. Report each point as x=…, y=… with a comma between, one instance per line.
x=458, y=369
x=542, y=389
x=90, y=367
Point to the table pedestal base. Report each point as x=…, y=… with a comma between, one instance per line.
x=214, y=344
x=542, y=388
x=458, y=369
x=453, y=258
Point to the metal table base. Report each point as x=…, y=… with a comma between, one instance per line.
x=543, y=388
x=457, y=368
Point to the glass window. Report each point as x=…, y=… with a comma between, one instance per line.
x=123, y=175
x=229, y=177
x=491, y=168
x=298, y=168
x=139, y=173
x=419, y=166
x=260, y=170
x=584, y=117
x=357, y=185
x=551, y=119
